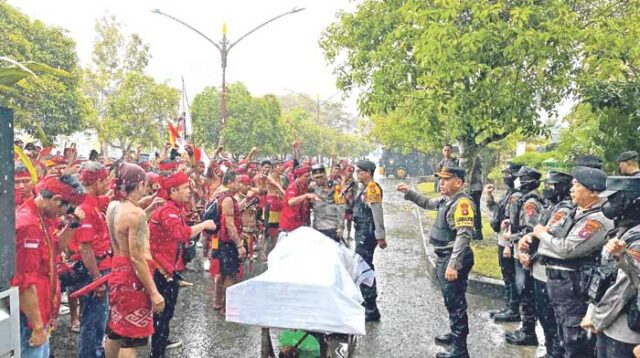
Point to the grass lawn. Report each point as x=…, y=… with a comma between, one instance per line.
x=484, y=252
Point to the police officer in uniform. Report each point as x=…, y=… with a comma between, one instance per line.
x=608, y=314
x=501, y=210
x=628, y=163
x=450, y=237
x=570, y=260
x=557, y=193
x=369, y=229
x=524, y=216
x=327, y=214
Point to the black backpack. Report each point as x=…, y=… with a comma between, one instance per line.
x=212, y=212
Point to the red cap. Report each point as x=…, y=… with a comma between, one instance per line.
x=244, y=179
x=175, y=180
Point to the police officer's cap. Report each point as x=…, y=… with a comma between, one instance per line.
x=528, y=172
x=590, y=161
x=630, y=155
x=621, y=183
x=367, y=166
x=591, y=178
x=317, y=169
x=556, y=177
x=511, y=168
x=451, y=172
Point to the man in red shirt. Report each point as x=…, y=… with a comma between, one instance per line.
x=36, y=252
x=23, y=185
x=94, y=246
x=297, y=209
x=168, y=226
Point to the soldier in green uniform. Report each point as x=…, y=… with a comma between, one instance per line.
x=369, y=229
x=450, y=236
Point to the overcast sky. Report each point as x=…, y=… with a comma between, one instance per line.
x=284, y=54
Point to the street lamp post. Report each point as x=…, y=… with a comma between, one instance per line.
x=224, y=47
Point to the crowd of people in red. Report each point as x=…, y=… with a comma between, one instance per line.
x=116, y=235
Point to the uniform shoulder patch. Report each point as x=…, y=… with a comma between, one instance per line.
x=557, y=217
x=530, y=208
x=590, y=227
x=635, y=254
x=374, y=193
x=463, y=214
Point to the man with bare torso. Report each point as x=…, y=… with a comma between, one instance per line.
x=133, y=295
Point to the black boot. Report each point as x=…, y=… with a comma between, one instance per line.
x=444, y=338
x=493, y=313
x=371, y=315
x=458, y=349
x=525, y=336
x=554, y=349
x=508, y=316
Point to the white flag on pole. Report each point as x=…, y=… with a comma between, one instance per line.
x=183, y=110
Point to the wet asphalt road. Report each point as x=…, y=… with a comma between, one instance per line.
x=410, y=303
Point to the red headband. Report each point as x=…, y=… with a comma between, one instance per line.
x=175, y=180
x=301, y=171
x=244, y=179
x=91, y=176
x=22, y=174
x=56, y=187
x=128, y=174
x=167, y=166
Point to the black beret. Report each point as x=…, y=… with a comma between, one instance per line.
x=317, y=168
x=366, y=165
x=590, y=161
x=451, y=172
x=591, y=178
x=621, y=183
x=624, y=156
x=528, y=172
x=511, y=168
x=555, y=177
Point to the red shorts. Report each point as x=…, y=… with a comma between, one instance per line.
x=130, y=315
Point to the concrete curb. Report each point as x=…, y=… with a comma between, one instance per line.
x=478, y=285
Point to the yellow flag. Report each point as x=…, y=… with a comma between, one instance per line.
x=27, y=163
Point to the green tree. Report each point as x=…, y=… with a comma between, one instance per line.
x=428, y=72
x=50, y=103
x=251, y=121
x=135, y=114
x=114, y=57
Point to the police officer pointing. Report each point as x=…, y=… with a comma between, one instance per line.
x=450, y=236
x=370, y=233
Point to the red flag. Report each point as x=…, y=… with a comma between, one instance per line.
x=173, y=134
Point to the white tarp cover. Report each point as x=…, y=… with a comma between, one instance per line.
x=310, y=285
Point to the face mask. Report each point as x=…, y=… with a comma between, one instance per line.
x=549, y=193
x=517, y=184
x=614, y=206
x=508, y=181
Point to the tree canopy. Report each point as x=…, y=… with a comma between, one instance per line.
x=428, y=72
x=50, y=103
